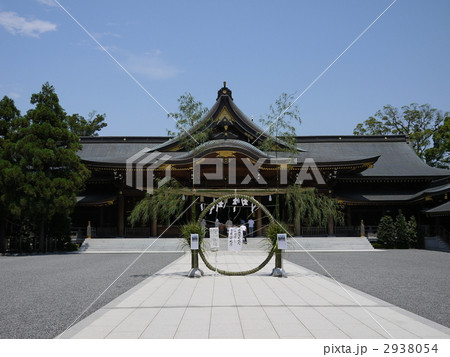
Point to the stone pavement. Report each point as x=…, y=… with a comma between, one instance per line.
x=304, y=305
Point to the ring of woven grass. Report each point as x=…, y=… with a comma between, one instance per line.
x=236, y=273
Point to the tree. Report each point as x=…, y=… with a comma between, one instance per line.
x=189, y=116
x=413, y=232
x=401, y=231
x=307, y=206
x=418, y=122
x=9, y=115
x=41, y=169
x=165, y=203
x=386, y=231
x=439, y=154
x=279, y=124
x=86, y=127
x=371, y=126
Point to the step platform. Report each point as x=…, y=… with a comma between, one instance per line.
x=153, y=245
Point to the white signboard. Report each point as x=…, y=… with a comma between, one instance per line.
x=214, y=238
x=282, y=241
x=234, y=239
x=194, y=241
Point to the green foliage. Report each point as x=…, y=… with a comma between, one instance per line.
x=401, y=231
x=386, y=232
x=413, y=234
x=377, y=245
x=86, y=127
x=40, y=170
x=164, y=204
x=420, y=123
x=143, y=211
x=371, y=126
x=192, y=228
x=71, y=247
x=398, y=234
x=189, y=116
x=8, y=113
x=271, y=233
x=439, y=154
x=279, y=124
x=312, y=208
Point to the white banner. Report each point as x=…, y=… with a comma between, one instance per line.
x=214, y=238
x=234, y=239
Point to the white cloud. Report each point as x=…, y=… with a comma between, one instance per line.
x=151, y=65
x=14, y=95
x=16, y=24
x=47, y=2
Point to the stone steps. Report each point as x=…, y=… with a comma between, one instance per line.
x=331, y=243
x=436, y=243
x=138, y=245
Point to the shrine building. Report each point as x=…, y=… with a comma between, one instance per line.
x=370, y=175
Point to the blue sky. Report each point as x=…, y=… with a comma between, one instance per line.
x=261, y=48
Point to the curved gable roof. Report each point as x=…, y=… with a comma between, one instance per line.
x=227, y=121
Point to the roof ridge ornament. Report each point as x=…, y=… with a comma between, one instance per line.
x=224, y=91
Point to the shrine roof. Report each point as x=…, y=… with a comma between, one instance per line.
x=395, y=156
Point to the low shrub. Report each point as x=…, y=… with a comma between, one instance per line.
x=399, y=234
x=386, y=232
x=271, y=233
x=401, y=231
x=71, y=247
x=192, y=228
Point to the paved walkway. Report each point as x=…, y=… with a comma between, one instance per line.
x=303, y=305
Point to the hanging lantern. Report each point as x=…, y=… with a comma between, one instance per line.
x=183, y=197
x=270, y=198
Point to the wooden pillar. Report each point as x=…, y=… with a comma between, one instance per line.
x=121, y=215
x=154, y=227
x=349, y=216
x=101, y=216
x=2, y=235
x=330, y=226
x=283, y=211
x=193, y=209
x=258, y=220
x=297, y=224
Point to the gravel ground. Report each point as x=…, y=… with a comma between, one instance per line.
x=41, y=295
x=415, y=280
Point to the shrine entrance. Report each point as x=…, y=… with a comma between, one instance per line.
x=236, y=201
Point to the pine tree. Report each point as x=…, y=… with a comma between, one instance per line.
x=9, y=116
x=41, y=168
x=86, y=127
x=386, y=231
